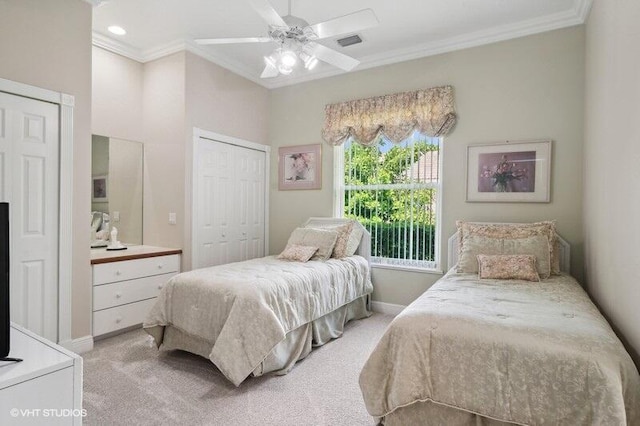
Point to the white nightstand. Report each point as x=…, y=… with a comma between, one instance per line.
x=45, y=388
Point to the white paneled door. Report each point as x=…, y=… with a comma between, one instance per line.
x=229, y=203
x=29, y=181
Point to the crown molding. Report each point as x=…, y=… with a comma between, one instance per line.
x=115, y=46
x=583, y=9
x=576, y=16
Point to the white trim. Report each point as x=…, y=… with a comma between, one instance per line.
x=80, y=345
x=576, y=16
x=205, y=134
x=107, y=43
x=65, y=226
x=405, y=268
x=583, y=9
x=386, y=308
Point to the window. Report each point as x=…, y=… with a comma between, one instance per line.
x=393, y=190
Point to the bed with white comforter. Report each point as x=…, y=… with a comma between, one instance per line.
x=472, y=351
x=259, y=315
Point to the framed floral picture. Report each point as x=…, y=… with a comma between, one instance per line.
x=300, y=167
x=516, y=172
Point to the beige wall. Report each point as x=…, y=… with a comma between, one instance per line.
x=117, y=84
x=48, y=44
x=221, y=102
x=164, y=123
x=528, y=88
x=611, y=171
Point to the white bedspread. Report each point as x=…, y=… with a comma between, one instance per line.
x=526, y=353
x=244, y=309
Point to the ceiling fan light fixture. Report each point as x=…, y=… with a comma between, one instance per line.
x=311, y=62
x=270, y=60
x=284, y=70
x=288, y=58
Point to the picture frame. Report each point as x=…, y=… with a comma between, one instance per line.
x=99, y=189
x=509, y=172
x=300, y=167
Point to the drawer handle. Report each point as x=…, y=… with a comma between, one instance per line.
x=160, y=265
x=244, y=234
x=159, y=286
x=118, y=273
x=118, y=295
x=224, y=235
x=118, y=320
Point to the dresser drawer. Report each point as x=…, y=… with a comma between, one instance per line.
x=112, y=319
x=131, y=269
x=123, y=292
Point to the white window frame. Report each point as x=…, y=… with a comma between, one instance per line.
x=338, y=208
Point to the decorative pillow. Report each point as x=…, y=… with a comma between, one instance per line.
x=537, y=239
x=349, y=236
x=508, y=267
x=324, y=239
x=354, y=240
x=298, y=253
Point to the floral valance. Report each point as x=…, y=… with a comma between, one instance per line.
x=430, y=111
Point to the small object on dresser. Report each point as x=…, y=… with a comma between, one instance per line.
x=115, y=244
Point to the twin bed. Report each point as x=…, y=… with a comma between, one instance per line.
x=473, y=351
x=469, y=351
x=263, y=315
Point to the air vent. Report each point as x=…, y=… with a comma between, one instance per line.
x=348, y=41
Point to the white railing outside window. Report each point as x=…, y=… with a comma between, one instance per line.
x=394, y=191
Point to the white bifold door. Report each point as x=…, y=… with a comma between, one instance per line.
x=229, y=203
x=29, y=181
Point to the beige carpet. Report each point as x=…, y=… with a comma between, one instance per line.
x=128, y=382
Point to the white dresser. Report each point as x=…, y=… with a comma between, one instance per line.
x=45, y=388
x=126, y=284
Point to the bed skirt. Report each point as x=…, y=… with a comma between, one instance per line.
x=296, y=346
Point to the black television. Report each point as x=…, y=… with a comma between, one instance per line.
x=4, y=281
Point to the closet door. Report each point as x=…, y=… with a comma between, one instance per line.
x=250, y=204
x=229, y=203
x=29, y=176
x=214, y=198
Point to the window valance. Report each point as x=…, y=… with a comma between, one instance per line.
x=430, y=111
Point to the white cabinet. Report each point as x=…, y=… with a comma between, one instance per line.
x=125, y=287
x=45, y=388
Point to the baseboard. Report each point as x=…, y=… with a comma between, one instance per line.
x=387, y=308
x=80, y=345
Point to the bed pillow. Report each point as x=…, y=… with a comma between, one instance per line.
x=349, y=236
x=323, y=239
x=508, y=267
x=298, y=253
x=537, y=239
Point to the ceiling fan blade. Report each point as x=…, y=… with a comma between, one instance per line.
x=350, y=23
x=269, y=71
x=333, y=57
x=232, y=40
x=268, y=13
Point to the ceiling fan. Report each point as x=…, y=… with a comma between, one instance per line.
x=296, y=39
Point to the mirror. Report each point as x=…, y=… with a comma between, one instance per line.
x=116, y=189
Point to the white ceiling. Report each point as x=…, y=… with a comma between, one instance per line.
x=408, y=29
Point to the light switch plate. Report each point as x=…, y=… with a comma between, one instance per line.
x=172, y=218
